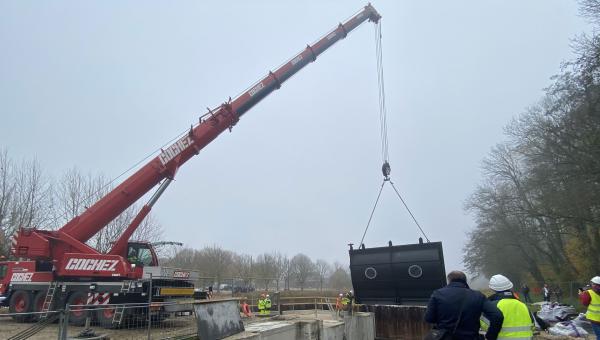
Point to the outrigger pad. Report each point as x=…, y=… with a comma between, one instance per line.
x=218, y=319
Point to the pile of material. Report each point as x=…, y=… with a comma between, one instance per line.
x=568, y=328
x=552, y=312
x=563, y=320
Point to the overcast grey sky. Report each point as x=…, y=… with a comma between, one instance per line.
x=100, y=84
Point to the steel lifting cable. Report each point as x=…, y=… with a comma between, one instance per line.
x=386, y=169
x=381, y=88
x=372, y=212
x=407, y=209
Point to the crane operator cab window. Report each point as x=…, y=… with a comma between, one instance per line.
x=141, y=254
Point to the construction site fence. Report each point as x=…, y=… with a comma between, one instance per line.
x=134, y=321
x=303, y=303
x=237, y=285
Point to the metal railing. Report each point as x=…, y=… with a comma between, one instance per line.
x=115, y=321
x=148, y=320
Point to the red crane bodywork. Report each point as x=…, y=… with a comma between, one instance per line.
x=66, y=247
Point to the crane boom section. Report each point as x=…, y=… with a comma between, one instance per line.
x=165, y=165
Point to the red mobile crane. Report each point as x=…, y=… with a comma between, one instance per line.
x=57, y=267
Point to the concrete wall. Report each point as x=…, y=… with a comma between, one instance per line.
x=218, y=318
x=359, y=326
x=333, y=330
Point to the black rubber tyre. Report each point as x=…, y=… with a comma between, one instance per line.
x=77, y=314
x=21, y=301
x=38, y=304
x=105, y=316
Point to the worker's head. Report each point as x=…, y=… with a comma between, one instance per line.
x=262, y=295
x=500, y=283
x=268, y=295
x=341, y=294
x=457, y=276
x=595, y=282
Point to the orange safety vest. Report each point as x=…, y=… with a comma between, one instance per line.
x=338, y=303
x=246, y=310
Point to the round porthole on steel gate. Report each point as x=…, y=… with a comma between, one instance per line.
x=370, y=273
x=415, y=271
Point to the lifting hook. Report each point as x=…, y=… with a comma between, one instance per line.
x=386, y=169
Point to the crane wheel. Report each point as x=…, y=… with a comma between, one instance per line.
x=105, y=316
x=77, y=312
x=38, y=304
x=21, y=301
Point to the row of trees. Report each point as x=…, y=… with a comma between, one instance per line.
x=538, y=209
x=262, y=271
x=29, y=198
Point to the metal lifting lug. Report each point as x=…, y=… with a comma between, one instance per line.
x=386, y=169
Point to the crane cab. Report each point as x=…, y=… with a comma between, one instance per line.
x=141, y=254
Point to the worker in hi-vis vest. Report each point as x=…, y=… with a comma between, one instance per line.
x=591, y=299
x=518, y=322
x=267, y=305
x=261, y=305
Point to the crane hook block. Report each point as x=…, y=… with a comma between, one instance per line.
x=386, y=169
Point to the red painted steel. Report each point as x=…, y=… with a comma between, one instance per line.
x=67, y=244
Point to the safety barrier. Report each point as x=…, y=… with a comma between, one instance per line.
x=115, y=321
x=156, y=320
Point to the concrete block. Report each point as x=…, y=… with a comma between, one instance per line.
x=359, y=326
x=272, y=330
x=332, y=330
x=217, y=319
x=308, y=329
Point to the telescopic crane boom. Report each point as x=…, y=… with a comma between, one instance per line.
x=71, y=238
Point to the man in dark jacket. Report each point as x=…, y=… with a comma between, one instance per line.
x=445, y=304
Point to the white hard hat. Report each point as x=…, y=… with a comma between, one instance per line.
x=596, y=280
x=500, y=283
x=341, y=294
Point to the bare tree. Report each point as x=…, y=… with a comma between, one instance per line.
x=266, y=268
x=340, y=278
x=215, y=261
x=590, y=9
x=76, y=192
x=286, y=271
x=323, y=269
x=302, y=268
x=184, y=258
x=31, y=203
x=6, y=195
x=242, y=267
